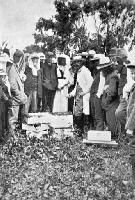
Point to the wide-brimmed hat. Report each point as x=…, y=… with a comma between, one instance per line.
x=78, y=59
x=83, y=54
x=103, y=61
x=91, y=52
x=96, y=57
x=119, y=53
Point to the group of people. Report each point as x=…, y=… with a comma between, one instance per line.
x=98, y=90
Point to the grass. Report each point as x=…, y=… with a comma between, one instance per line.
x=65, y=169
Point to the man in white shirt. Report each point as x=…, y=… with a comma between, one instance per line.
x=81, y=94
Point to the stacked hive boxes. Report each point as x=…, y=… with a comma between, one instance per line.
x=40, y=123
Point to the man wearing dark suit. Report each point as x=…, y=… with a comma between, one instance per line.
x=50, y=82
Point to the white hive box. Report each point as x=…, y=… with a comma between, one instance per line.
x=94, y=135
x=56, y=121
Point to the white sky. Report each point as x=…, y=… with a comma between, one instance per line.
x=18, y=19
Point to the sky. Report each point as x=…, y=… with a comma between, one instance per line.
x=18, y=19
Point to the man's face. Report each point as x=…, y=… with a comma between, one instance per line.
x=75, y=67
x=132, y=73
x=35, y=62
x=49, y=60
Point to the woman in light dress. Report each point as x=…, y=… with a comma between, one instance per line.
x=65, y=79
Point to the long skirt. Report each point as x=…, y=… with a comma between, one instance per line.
x=60, y=100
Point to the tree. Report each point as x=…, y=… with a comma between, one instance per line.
x=114, y=22
x=66, y=27
x=117, y=20
x=32, y=48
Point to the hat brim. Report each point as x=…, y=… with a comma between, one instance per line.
x=93, y=59
x=104, y=65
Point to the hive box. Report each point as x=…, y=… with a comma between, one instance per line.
x=94, y=135
x=55, y=120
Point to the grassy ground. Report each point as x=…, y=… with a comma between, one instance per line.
x=63, y=170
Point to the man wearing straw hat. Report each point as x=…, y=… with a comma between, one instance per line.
x=119, y=58
x=81, y=94
x=110, y=97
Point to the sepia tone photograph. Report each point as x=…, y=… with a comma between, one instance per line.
x=67, y=100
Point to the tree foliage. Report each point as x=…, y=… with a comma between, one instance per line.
x=114, y=23
x=32, y=48
x=64, y=26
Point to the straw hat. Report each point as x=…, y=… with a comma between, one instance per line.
x=92, y=52
x=78, y=59
x=103, y=62
x=119, y=53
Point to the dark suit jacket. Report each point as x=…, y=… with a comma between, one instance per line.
x=110, y=96
x=50, y=80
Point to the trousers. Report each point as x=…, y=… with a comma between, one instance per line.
x=31, y=102
x=97, y=113
x=47, y=99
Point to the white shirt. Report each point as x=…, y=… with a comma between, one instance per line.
x=84, y=79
